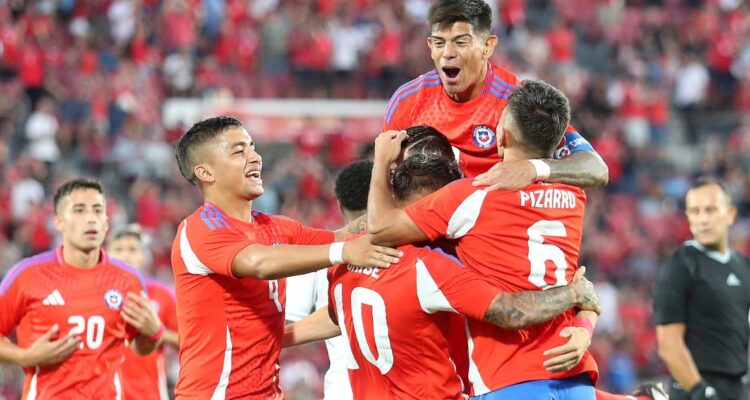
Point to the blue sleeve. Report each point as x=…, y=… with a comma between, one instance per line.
x=574, y=143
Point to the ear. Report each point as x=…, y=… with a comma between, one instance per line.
x=204, y=173
x=58, y=223
x=732, y=214
x=489, y=47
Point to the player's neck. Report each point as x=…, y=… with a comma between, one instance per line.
x=80, y=258
x=514, y=154
x=240, y=209
x=721, y=247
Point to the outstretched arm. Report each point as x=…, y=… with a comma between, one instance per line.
x=317, y=326
x=273, y=262
x=582, y=169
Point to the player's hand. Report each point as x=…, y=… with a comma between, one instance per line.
x=45, y=351
x=586, y=298
x=139, y=313
x=388, y=146
x=362, y=253
x=571, y=353
x=510, y=175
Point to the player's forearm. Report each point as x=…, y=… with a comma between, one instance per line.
x=318, y=326
x=679, y=361
x=353, y=228
x=170, y=337
x=524, y=309
x=381, y=207
x=274, y=262
x=142, y=346
x=582, y=169
x=10, y=353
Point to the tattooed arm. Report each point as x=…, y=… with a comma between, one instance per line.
x=524, y=309
x=356, y=226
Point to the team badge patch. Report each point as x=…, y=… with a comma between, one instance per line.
x=484, y=137
x=113, y=299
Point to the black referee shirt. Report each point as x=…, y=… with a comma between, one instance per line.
x=710, y=293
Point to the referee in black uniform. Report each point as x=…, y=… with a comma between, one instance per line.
x=702, y=301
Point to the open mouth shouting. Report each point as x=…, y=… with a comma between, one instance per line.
x=451, y=74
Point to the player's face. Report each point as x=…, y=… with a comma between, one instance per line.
x=82, y=219
x=710, y=214
x=460, y=55
x=237, y=167
x=128, y=249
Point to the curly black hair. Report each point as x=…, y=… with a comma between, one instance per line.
x=353, y=185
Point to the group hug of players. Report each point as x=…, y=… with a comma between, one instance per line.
x=465, y=281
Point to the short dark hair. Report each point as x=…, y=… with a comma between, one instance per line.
x=542, y=114
x=444, y=13
x=423, y=173
x=427, y=140
x=131, y=230
x=353, y=185
x=706, y=180
x=68, y=187
x=200, y=133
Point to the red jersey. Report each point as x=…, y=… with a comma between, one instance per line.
x=230, y=328
x=144, y=377
x=44, y=290
x=389, y=317
x=470, y=126
x=517, y=240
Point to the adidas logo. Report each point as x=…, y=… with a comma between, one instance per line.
x=54, y=299
x=733, y=280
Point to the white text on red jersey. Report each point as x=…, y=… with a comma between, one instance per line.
x=369, y=271
x=548, y=198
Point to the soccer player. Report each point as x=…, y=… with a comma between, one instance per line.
x=145, y=377
x=701, y=302
x=464, y=97
x=227, y=261
x=308, y=293
x=398, y=310
x=518, y=240
x=74, y=307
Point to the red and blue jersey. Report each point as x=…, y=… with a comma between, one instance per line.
x=469, y=126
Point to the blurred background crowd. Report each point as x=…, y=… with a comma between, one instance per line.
x=660, y=87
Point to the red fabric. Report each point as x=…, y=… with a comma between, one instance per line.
x=214, y=307
x=42, y=291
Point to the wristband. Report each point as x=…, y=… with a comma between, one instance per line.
x=582, y=322
x=542, y=169
x=336, y=253
x=156, y=336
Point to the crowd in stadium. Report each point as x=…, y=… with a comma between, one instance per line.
x=659, y=87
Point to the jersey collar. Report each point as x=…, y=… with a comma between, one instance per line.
x=722, y=258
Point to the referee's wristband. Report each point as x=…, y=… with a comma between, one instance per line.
x=156, y=336
x=543, y=170
x=336, y=253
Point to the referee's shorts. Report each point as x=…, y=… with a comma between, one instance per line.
x=730, y=387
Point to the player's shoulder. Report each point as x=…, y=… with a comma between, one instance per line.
x=27, y=266
x=206, y=218
x=125, y=269
x=503, y=79
x=410, y=92
x=156, y=286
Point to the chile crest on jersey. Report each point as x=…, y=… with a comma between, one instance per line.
x=113, y=299
x=484, y=137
